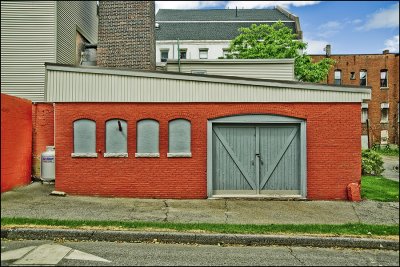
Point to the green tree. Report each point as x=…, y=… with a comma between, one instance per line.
x=278, y=41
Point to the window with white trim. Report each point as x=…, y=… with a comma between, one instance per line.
x=363, y=78
x=384, y=78
x=116, y=138
x=225, y=52
x=164, y=55
x=364, y=112
x=182, y=53
x=84, y=138
x=384, y=112
x=179, y=138
x=338, y=77
x=203, y=53
x=147, y=138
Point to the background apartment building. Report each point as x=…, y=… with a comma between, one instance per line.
x=206, y=34
x=380, y=115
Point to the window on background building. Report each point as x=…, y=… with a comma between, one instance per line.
x=147, y=139
x=164, y=55
x=338, y=77
x=84, y=138
x=384, y=112
x=364, y=112
x=182, y=53
x=363, y=78
x=179, y=132
x=203, y=53
x=224, y=52
x=384, y=78
x=352, y=75
x=116, y=138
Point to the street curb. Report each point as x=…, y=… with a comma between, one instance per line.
x=206, y=239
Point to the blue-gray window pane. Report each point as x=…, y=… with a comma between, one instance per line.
x=179, y=136
x=147, y=136
x=84, y=136
x=116, y=136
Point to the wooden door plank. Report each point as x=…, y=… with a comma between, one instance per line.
x=279, y=157
x=234, y=158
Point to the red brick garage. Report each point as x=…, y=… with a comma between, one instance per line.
x=329, y=115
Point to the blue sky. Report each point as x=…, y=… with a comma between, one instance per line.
x=350, y=27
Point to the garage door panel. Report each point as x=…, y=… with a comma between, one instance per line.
x=256, y=159
x=279, y=153
x=233, y=159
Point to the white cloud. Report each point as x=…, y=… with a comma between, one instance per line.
x=356, y=21
x=384, y=18
x=267, y=4
x=315, y=46
x=186, y=4
x=329, y=29
x=392, y=44
x=330, y=25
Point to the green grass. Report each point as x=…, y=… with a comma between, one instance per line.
x=331, y=229
x=379, y=188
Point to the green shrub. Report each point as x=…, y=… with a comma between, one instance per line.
x=371, y=163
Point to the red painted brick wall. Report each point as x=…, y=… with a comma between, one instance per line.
x=16, y=141
x=333, y=149
x=373, y=64
x=43, y=133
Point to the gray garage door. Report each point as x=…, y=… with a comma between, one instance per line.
x=261, y=159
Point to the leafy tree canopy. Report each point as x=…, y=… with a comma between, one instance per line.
x=278, y=41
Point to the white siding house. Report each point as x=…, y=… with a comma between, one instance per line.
x=205, y=34
x=35, y=32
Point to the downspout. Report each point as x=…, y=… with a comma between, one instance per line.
x=54, y=125
x=179, y=58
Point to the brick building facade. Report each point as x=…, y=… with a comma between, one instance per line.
x=126, y=35
x=382, y=110
x=186, y=177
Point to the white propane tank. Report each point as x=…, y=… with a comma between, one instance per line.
x=47, y=164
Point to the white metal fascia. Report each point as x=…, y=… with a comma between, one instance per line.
x=192, y=41
x=222, y=21
x=232, y=61
x=208, y=78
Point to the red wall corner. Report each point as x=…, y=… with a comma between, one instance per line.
x=43, y=133
x=16, y=141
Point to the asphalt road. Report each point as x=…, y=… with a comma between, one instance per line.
x=155, y=254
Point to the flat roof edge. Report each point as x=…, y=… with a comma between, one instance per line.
x=206, y=78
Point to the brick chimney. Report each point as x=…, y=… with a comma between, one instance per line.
x=126, y=35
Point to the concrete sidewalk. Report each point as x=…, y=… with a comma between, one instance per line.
x=35, y=201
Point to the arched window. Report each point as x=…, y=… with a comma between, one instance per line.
x=84, y=138
x=179, y=132
x=116, y=138
x=338, y=77
x=147, y=139
x=384, y=78
x=363, y=78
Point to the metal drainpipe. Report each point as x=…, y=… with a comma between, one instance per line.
x=54, y=125
x=179, y=58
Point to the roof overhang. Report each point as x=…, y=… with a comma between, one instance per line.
x=66, y=83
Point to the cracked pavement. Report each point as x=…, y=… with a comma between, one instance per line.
x=34, y=201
